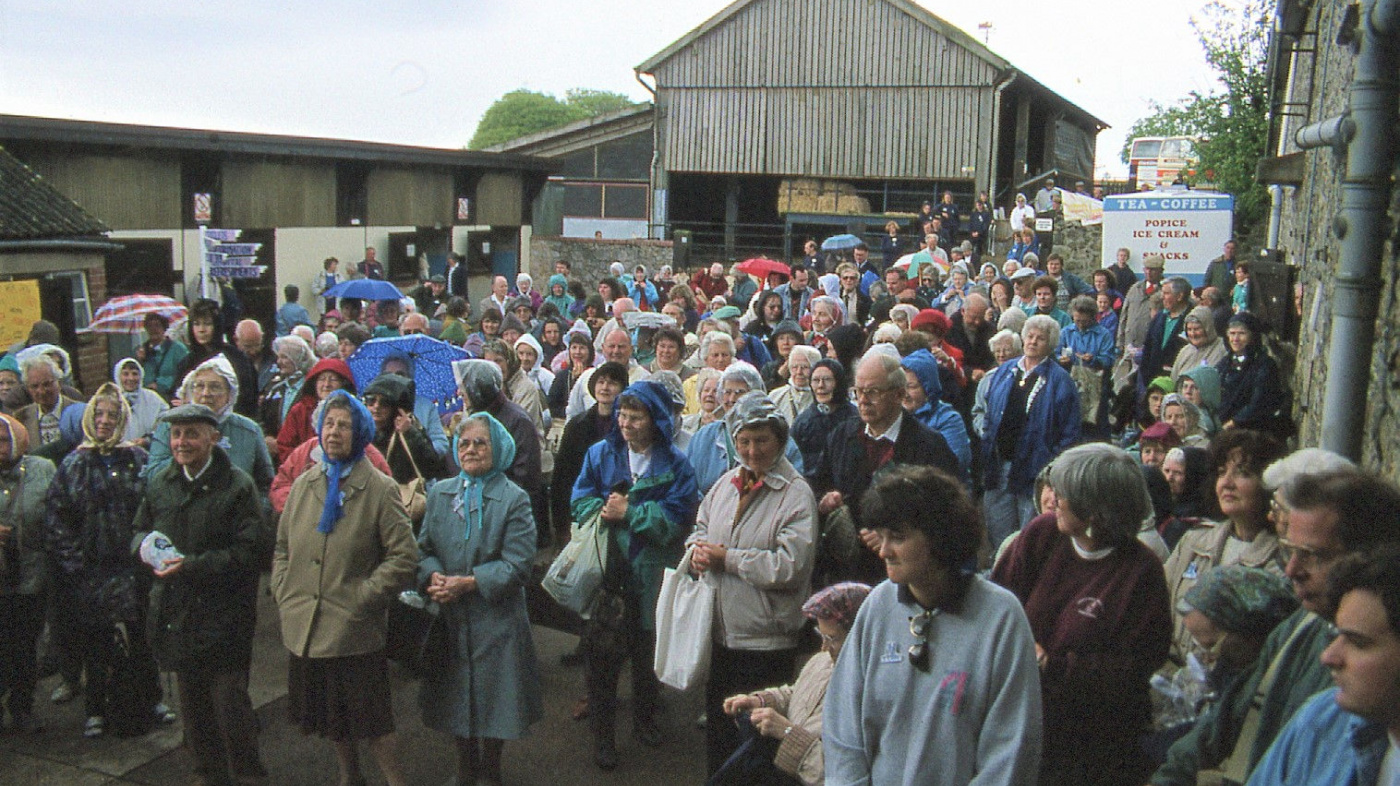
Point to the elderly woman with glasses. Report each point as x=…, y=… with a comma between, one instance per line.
x=474, y=560
x=756, y=534
x=940, y=665
x=1098, y=605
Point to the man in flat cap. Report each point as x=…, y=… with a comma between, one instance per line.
x=203, y=605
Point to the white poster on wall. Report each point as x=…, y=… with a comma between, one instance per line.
x=1187, y=228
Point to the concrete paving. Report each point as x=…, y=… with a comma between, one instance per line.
x=558, y=752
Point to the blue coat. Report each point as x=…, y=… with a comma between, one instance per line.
x=785, y=290
x=1052, y=425
x=494, y=688
x=661, y=505
x=939, y=415
x=710, y=453
x=1324, y=744
x=635, y=291
x=1096, y=340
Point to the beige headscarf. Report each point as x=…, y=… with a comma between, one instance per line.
x=109, y=392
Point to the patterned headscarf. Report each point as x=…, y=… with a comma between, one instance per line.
x=19, y=440
x=363, y=425
x=837, y=604
x=107, y=392
x=502, y=456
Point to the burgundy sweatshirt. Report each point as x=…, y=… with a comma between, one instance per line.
x=1105, y=626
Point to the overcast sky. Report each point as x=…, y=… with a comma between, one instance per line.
x=421, y=72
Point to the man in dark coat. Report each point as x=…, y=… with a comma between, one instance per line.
x=203, y=605
x=1165, y=336
x=857, y=449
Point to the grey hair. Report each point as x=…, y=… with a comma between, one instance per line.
x=1012, y=319
x=755, y=409
x=1029, y=259
x=1044, y=324
x=1104, y=486
x=802, y=350
x=886, y=333
x=1083, y=304
x=1181, y=285
x=1006, y=335
x=709, y=339
x=889, y=365
x=745, y=372
x=1283, y=474
x=39, y=361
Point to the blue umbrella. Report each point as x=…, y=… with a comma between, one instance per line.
x=430, y=363
x=364, y=289
x=834, y=243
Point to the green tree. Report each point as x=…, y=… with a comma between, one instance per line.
x=1231, y=121
x=523, y=112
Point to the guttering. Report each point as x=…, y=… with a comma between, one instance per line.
x=60, y=244
x=658, y=228
x=1362, y=223
x=996, y=137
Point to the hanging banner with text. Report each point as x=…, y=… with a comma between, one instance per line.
x=1186, y=228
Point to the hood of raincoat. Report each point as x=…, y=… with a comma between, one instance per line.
x=1207, y=378
x=1203, y=316
x=558, y=280
x=19, y=439
x=393, y=388
x=334, y=365
x=658, y=403
x=526, y=338
x=925, y=367
x=480, y=380
x=140, y=372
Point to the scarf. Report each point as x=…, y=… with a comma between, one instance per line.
x=337, y=469
x=107, y=392
x=470, y=501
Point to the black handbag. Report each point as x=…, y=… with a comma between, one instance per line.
x=420, y=638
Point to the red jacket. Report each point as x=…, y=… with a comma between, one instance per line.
x=297, y=426
x=299, y=461
x=701, y=282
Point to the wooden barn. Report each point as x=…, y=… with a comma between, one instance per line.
x=770, y=101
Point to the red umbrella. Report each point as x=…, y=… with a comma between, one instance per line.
x=760, y=267
x=127, y=313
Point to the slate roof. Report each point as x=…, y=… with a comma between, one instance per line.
x=31, y=209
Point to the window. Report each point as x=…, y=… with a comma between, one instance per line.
x=76, y=284
x=625, y=202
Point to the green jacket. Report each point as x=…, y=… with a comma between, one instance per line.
x=23, y=567
x=203, y=616
x=1300, y=675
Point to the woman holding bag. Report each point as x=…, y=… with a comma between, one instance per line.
x=755, y=534
x=475, y=550
x=645, y=490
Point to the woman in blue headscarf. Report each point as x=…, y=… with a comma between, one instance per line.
x=476, y=545
x=344, y=550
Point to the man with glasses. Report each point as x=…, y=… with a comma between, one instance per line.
x=857, y=449
x=937, y=682
x=1329, y=515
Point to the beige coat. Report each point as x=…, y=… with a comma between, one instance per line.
x=333, y=591
x=800, y=753
x=1201, y=549
x=768, y=568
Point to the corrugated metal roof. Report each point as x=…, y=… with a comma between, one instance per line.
x=604, y=127
x=49, y=129
x=31, y=209
x=917, y=12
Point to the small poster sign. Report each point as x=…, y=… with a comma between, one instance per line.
x=464, y=208
x=203, y=208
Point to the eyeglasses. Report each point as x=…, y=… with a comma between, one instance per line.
x=1308, y=558
x=919, y=627
x=372, y=400
x=475, y=443
x=413, y=332
x=871, y=392
x=209, y=387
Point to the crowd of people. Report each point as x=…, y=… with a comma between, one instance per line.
x=956, y=519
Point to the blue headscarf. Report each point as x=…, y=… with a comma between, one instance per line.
x=335, y=470
x=502, y=456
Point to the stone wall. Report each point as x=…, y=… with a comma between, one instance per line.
x=590, y=258
x=1307, y=240
x=1080, y=246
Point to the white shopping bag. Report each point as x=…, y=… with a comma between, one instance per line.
x=684, y=613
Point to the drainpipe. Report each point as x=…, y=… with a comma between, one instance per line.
x=1275, y=214
x=992, y=173
x=1367, y=132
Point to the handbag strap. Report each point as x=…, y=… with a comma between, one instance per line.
x=398, y=439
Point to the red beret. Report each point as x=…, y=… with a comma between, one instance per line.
x=1161, y=432
x=931, y=320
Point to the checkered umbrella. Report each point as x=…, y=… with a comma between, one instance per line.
x=127, y=314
